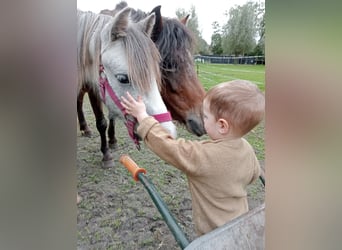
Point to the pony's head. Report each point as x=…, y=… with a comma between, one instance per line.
x=131, y=63
x=181, y=90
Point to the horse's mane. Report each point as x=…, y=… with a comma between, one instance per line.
x=143, y=57
x=89, y=30
x=174, y=43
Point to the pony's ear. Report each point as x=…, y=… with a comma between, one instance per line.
x=120, y=24
x=158, y=26
x=185, y=20
x=147, y=24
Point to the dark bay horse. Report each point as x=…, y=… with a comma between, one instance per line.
x=116, y=55
x=181, y=90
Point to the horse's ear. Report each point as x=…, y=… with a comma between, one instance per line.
x=121, y=5
x=158, y=26
x=147, y=24
x=120, y=24
x=185, y=20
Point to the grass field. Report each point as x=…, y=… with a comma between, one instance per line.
x=212, y=74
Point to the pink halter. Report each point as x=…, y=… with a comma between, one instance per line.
x=130, y=121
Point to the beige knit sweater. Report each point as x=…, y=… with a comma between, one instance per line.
x=218, y=172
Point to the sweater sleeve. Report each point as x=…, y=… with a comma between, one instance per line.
x=145, y=126
x=182, y=154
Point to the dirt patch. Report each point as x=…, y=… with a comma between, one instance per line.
x=116, y=212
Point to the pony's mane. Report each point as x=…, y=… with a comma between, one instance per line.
x=89, y=30
x=174, y=43
x=143, y=57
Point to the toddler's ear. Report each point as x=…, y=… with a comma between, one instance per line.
x=223, y=126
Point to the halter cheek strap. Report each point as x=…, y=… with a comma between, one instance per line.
x=130, y=121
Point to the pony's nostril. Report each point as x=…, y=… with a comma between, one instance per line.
x=195, y=126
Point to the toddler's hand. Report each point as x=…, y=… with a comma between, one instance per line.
x=134, y=107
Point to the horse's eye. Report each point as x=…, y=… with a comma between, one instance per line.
x=122, y=78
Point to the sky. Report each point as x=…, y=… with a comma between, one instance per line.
x=207, y=11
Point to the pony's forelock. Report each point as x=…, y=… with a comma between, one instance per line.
x=143, y=59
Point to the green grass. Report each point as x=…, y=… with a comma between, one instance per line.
x=212, y=74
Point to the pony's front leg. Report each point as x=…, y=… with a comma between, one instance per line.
x=85, y=130
x=112, y=141
x=101, y=125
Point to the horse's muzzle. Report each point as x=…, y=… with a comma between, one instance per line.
x=195, y=125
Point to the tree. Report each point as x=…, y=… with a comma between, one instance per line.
x=260, y=48
x=240, y=31
x=216, y=39
x=201, y=46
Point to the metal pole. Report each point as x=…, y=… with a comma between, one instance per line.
x=138, y=174
x=165, y=212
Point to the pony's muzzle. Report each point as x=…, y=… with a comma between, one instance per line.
x=194, y=124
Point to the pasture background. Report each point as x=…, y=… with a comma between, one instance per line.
x=118, y=213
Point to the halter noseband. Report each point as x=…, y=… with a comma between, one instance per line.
x=130, y=121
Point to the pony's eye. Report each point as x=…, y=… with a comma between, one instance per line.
x=122, y=78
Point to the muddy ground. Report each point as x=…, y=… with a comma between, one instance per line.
x=116, y=212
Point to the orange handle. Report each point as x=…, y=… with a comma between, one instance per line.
x=131, y=166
